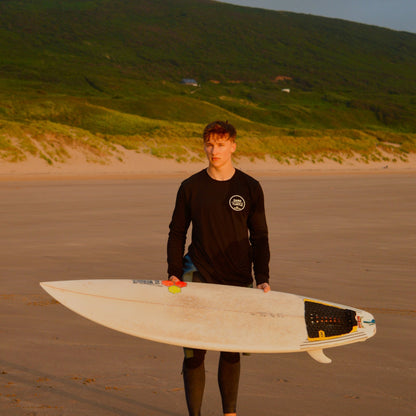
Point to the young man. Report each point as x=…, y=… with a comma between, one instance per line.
x=229, y=240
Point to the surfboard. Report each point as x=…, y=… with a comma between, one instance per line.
x=215, y=317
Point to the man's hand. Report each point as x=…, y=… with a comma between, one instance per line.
x=264, y=286
x=174, y=279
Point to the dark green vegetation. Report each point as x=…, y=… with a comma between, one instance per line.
x=93, y=73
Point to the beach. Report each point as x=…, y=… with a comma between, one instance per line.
x=343, y=233
x=123, y=163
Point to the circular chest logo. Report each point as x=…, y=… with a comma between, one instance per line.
x=237, y=203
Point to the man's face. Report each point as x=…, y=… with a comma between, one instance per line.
x=219, y=150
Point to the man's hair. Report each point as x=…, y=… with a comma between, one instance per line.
x=222, y=129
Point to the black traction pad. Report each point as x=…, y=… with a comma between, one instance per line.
x=325, y=321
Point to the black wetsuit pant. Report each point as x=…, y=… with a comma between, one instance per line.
x=194, y=379
x=193, y=371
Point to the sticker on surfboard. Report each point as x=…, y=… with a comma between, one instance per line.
x=173, y=287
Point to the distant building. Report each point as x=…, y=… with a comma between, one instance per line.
x=189, y=81
x=282, y=78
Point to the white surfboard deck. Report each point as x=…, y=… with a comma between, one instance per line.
x=207, y=316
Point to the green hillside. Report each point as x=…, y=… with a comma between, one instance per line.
x=99, y=72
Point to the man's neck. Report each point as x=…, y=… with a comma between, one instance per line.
x=223, y=174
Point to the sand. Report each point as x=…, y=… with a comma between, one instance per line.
x=344, y=234
x=125, y=163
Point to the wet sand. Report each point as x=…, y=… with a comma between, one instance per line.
x=347, y=238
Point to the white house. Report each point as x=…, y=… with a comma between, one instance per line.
x=189, y=81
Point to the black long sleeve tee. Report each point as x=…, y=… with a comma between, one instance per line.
x=229, y=230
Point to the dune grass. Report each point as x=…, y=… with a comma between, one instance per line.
x=98, y=131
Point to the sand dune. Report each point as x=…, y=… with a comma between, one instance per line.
x=131, y=163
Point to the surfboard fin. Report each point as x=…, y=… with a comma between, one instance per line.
x=319, y=356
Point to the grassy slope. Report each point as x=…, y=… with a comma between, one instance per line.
x=99, y=72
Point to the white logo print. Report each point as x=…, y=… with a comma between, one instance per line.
x=237, y=203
